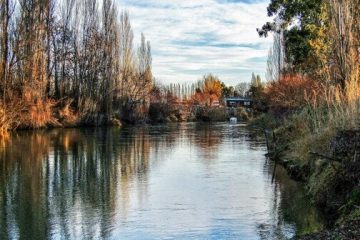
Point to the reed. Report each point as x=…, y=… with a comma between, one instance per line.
x=313, y=127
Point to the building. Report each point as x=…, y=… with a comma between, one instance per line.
x=238, y=102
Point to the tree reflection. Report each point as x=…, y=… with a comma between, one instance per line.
x=207, y=139
x=52, y=183
x=83, y=183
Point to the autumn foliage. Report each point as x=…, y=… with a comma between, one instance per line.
x=208, y=92
x=292, y=91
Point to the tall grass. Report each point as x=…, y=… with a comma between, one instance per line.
x=21, y=114
x=9, y=117
x=336, y=108
x=38, y=115
x=318, y=112
x=4, y=124
x=317, y=123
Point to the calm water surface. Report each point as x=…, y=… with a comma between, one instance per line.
x=187, y=181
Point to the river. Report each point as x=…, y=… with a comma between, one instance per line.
x=176, y=181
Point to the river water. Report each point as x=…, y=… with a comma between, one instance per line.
x=177, y=181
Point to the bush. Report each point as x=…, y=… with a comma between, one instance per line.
x=209, y=114
x=291, y=92
x=217, y=114
x=162, y=112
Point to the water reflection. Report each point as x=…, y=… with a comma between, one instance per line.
x=188, y=181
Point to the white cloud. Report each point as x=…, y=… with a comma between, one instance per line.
x=190, y=38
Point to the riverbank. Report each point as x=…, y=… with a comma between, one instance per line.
x=347, y=231
x=61, y=114
x=167, y=113
x=326, y=159
x=17, y=115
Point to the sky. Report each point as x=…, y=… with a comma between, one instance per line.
x=190, y=38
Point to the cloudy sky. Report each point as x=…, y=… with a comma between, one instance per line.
x=190, y=38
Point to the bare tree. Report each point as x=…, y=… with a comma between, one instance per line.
x=75, y=51
x=126, y=52
x=242, y=88
x=110, y=52
x=5, y=14
x=346, y=33
x=276, y=61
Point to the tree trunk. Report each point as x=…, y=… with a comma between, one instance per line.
x=5, y=47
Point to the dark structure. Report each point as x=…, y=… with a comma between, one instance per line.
x=238, y=102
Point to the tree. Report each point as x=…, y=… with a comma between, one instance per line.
x=285, y=11
x=256, y=87
x=79, y=54
x=257, y=93
x=255, y=81
x=110, y=54
x=144, y=68
x=242, y=88
x=275, y=61
x=4, y=46
x=208, y=90
x=212, y=88
x=345, y=20
x=126, y=53
x=301, y=22
x=31, y=54
x=227, y=91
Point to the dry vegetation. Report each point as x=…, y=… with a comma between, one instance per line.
x=292, y=91
x=67, y=62
x=188, y=102
x=321, y=102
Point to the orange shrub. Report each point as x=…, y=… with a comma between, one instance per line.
x=37, y=115
x=292, y=91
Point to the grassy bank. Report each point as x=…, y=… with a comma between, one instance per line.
x=319, y=143
x=19, y=115
x=49, y=114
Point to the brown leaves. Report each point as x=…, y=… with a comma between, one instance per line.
x=39, y=115
x=209, y=91
x=292, y=91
